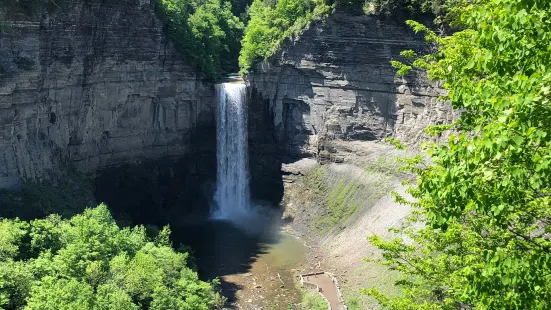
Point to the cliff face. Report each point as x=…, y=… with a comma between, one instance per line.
x=95, y=84
x=335, y=83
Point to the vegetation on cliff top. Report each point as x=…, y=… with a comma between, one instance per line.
x=211, y=34
x=88, y=262
x=411, y=7
x=484, y=201
x=273, y=22
x=206, y=32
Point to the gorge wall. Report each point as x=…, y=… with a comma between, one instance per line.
x=335, y=83
x=95, y=84
x=331, y=94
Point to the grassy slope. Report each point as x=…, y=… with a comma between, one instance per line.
x=338, y=205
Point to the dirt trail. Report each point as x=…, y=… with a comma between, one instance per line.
x=328, y=289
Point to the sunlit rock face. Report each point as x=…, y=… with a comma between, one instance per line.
x=95, y=84
x=335, y=83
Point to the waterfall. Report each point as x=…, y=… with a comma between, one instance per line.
x=232, y=179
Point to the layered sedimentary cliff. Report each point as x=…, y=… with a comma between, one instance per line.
x=95, y=84
x=335, y=83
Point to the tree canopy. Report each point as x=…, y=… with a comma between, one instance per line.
x=271, y=23
x=480, y=234
x=88, y=262
x=206, y=32
x=412, y=7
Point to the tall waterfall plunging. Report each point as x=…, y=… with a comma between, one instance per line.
x=232, y=179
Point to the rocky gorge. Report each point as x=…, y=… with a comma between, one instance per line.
x=97, y=87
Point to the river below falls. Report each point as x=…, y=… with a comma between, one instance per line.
x=258, y=266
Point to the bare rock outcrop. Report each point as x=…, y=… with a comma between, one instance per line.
x=335, y=82
x=95, y=84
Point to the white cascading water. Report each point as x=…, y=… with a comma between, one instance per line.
x=232, y=179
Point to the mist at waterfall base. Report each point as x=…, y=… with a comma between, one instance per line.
x=236, y=227
x=239, y=234
x=232, y=205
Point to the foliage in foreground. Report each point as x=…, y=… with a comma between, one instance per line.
x=206, y=32
x=484, y=199
x=88, y=262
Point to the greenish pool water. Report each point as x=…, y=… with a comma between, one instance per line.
x=256, y=265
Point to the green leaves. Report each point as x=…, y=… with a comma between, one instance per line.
x=206, y=32
x=88, y=262
x=409, y=54
x=412, y=7
x=11, y=237
x=270, y=25
x=403, y=69
x=483, y=206
x=396, y=143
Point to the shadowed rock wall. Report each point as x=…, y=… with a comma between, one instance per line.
x=95, y=84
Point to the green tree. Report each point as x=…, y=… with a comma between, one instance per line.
x=206, y=32
x=88, y=262
x=483, y=199
x=412, y=7
x=272, y=23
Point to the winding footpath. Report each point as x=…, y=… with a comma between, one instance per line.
x=326, y=287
